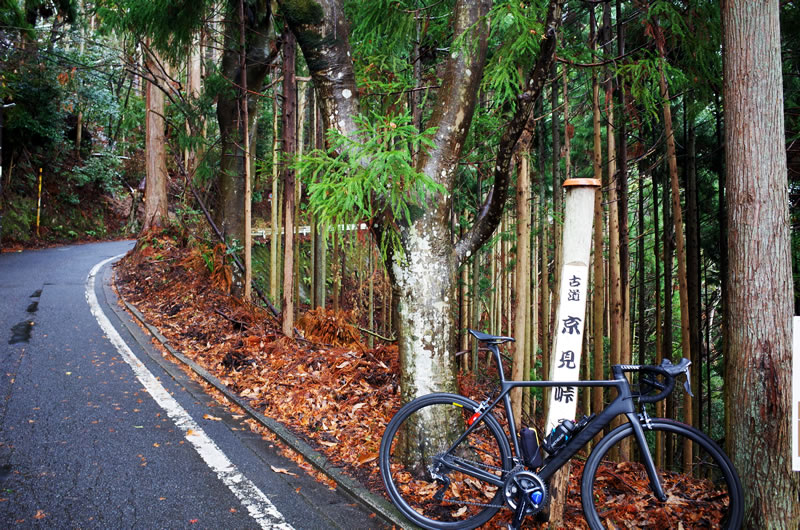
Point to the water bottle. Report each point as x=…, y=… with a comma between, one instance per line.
x=559, y=436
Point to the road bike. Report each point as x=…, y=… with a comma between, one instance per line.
x=447, y=463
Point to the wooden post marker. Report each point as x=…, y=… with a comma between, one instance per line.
x=577, y=244
x=565, y=361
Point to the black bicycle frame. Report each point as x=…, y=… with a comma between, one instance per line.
x=622, y=404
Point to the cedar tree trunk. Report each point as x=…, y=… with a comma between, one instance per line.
x=230, y=207
x=760, y=352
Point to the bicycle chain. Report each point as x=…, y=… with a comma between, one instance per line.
x=478, y=464
x=470, y=503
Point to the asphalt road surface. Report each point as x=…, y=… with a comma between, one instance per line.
x=96, y=431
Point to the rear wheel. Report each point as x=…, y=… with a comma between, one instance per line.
x=703, y=492
x=414, y=465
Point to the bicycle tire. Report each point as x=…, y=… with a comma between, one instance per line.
x=410, y=485
x=708, y=496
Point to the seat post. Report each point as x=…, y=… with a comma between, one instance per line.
x=498, y=360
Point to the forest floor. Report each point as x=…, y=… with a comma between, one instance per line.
x=328, y=389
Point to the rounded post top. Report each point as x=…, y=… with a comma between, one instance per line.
x=571, y=183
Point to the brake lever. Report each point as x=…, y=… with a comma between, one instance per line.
x=686, y=385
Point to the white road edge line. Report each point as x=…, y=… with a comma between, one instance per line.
x=258, y=505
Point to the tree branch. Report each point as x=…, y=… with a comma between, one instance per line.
x=491, y=212
x=323, y=35
x=457, y=96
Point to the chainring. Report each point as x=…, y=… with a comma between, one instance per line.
x=521, y=482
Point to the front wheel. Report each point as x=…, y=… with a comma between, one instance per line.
x=702, y=491
x=415, y=464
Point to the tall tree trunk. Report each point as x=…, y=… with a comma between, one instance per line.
x=2, y=111
x=337, y=271
x=320, y=232
x=79, y=125
x=680, y=245
x=299, y=142
x=640, y=259
x=193, y=87
x=693, y=280
x=544, y=242
x=275, y=202
x=622, y=209
x=522, y=273
x=615, y=291
x=289, y=146
x=759, y=372
x=598, y=274
x=533, y=301
x=558, y=218
x=659, y=326
x=230, y=211
x=155, y=194
x=248, y=197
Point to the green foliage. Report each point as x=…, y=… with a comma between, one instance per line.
x=37, y=120
x=101, y=170
x=643, y=76
x=370, y=174
x=19, y=218
x=383, y=26
x=12, y=15
x=516, y=32
x=170, y=24
x=790, y=21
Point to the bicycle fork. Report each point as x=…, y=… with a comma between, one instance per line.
x=649, y=465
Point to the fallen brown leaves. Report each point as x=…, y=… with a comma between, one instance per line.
x=329, y=389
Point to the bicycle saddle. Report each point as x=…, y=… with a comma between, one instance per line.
x=493, y=339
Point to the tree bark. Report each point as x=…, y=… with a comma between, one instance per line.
x=229, y=214
x=155, y=195
x=622, y=209
x=659, y=456
x=275, y=202
x=558, y=210
x=615, y=291
x=522, y=286
x=693, y=280
x=193, y=87
x=320, y=232
x=598, y=274
x=680, y=244
x=289, y=146
x=248, y=197
x=667, y=349
x=760, y=354
x=544, y=261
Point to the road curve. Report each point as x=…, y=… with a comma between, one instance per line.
x=96, y=433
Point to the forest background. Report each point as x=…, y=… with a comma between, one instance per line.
x=396, y=149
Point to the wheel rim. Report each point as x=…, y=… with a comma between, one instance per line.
x=701, y=491
x=466, y=502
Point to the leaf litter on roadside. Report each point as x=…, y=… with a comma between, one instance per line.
x=329, y=389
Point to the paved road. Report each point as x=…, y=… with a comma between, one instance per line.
x=95, y=433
